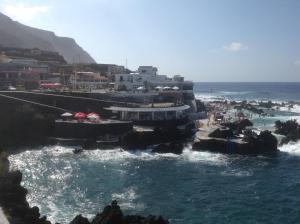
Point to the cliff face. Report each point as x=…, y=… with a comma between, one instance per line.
x=14, y=34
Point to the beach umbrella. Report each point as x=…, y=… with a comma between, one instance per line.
x=80, y=115
x=93, y=116
x=175, y=88
x=140, y=88
x=167, y=87
x=158, y=87
x=67, y=114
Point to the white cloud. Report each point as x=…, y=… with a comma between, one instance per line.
x=235, y=46
x=23, y=13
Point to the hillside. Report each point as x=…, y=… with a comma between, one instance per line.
x=14, y=34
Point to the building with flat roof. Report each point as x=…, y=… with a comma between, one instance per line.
x=146, y=78
x=27, y=79
x=88, y=80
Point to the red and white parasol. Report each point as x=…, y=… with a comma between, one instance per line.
x=80, y=115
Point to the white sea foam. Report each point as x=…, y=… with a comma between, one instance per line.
x=204, y=157
x=208, y=98
x=295, y=109
x=127, y=199
x=292, y=148
x=237, y=173
x=188, y=155
x=120, y=154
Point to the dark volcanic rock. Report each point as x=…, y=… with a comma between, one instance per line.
x=290, y=129
x=264, y=142
x=80, y=220
x=172, y=147
x=238, y=126
x=252, y=144
x=247, y=106
x=112, y=214
x=221, y=133
x=13, y=201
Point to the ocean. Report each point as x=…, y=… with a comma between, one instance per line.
x=191, y=188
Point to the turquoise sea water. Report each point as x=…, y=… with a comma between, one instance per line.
x=195, y=187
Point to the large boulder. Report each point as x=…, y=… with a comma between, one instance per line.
x=238, y=126
x=221, y=133
x=290, y=129
x=262, y=143
x=111, y=214
x=80, y=220
x=265, y=142
x=172, y=147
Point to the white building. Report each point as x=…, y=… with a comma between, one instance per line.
x=146, y=78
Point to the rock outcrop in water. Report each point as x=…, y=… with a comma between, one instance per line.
x=112, y=214
x=238, y=126
x=290, y=129
x=265, y=142
x=13, y=201
x=247, y=106
x=172, y=147
x=226, y=139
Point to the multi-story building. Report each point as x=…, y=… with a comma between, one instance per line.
x=27, y=79
x=88, y=80
x=32, y=64
x=19, y=73
x=146, y=78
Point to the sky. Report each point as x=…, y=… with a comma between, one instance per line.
x=203, y=40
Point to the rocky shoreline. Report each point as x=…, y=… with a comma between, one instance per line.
x=289, y=129
x=18, y=211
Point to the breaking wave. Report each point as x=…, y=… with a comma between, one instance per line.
x=292, y=148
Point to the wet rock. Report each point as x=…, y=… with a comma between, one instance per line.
x=80, y=220
x=265, y=142
x=172, y=147
x=247, y=106
x=144, y=220
x=111, y=214
x=268, y=104
x=221, y=133
x=238, y=126
x=13, y=201
x=290, y=129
